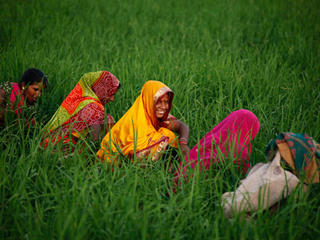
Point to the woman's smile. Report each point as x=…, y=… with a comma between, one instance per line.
x=162, y=106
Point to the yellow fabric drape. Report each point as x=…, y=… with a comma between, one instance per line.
x=138, y=129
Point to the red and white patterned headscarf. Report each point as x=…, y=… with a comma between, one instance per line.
x=106, y=86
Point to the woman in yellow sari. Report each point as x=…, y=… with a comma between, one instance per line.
x=146, y=129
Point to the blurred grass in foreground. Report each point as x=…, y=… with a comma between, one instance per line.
x=217, y=56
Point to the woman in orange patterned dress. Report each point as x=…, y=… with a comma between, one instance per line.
x=82, y=112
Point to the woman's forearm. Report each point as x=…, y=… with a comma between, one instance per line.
x=183, y=131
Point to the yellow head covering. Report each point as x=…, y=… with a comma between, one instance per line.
x=138, y=130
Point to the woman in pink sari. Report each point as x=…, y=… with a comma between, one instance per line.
x=19, y=98
x=231, y=137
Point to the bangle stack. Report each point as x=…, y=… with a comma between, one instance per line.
x=183, y=141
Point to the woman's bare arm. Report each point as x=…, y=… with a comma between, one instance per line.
x=95, y=130
x=182, y=129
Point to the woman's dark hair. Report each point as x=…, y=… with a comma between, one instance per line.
x=34, y=75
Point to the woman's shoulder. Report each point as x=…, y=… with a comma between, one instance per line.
x=6, y=88
x=171, y=117
x=5, y=91
x=168, y=122
x=92, y=110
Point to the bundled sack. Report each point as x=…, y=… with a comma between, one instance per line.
x=292, y=157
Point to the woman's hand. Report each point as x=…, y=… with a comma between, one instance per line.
x=95, y=130
x=184, y=149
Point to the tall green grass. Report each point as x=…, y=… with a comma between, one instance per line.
x=217, y=56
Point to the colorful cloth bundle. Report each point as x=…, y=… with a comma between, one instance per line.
x=300, y=154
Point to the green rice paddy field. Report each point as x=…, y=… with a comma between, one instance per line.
x=217, y=56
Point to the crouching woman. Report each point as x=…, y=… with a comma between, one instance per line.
x=146, y=129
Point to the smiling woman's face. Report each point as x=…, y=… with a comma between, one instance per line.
x=162, y=106
x=32, y=92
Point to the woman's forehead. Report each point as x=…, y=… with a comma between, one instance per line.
x=37, y=84
x=164, y=97
x=161, y=92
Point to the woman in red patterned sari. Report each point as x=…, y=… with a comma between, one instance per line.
x=82, y=112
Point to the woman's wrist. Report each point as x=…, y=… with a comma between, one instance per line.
x=183, y=141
